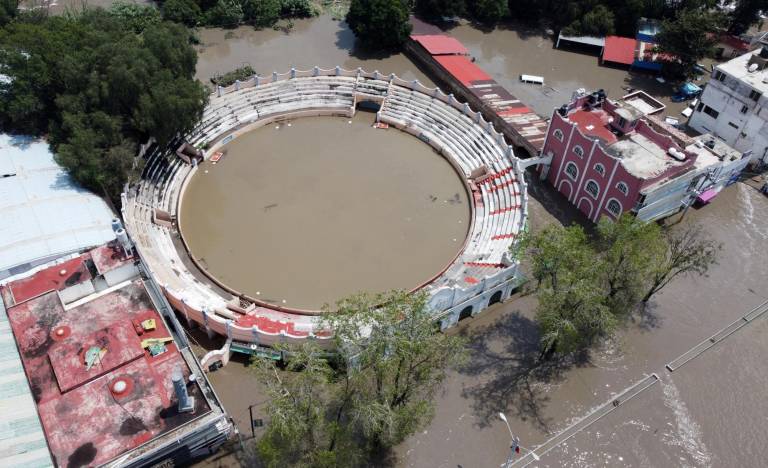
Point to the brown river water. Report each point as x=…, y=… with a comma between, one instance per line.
x=712, y=412
x=315, y=209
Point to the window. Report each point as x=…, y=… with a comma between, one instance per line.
x=579, y=151
x=592, y=188
x=614, y=207
x=622, y=187
x=622, y=122
x=558, y=134
x=600, y=169
x=700, y=106
x=572, y=170
x=744, y=109
x=719, y=76
x=733, y=125
x=755, y=95
x=711, y=112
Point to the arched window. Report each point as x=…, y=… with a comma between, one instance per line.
x=592, y=188
x=572, y=170
x=622, y=188
x=558, y=134
x=579, y=151
x=600, y=169
x=614, y=207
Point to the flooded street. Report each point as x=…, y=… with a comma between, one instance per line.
x=320, y=41
x=306, y=212
x=710, y=412
x=505, y=54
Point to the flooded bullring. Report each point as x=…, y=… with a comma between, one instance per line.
x=304, y=212
x=710, y=413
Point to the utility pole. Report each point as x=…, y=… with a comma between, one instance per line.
x=514, y=447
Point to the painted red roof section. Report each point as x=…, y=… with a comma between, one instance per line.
x=619, y=49
x=593, y=123
x=438, y=44
x=84, y=422
x=109, y=256
x=50, y=278
x=462, y=68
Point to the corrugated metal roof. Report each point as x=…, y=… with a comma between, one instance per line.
x=439, y=44
x=43, y=213
x=619, y=49
x=22, y=441
x=462, y=68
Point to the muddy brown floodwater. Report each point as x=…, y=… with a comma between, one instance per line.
x=312, y=210
x=319, y=41
x=711, y=412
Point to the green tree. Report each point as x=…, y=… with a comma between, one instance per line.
x=389, y=361
x=630, y=251
x=379, y=24
x=746, y=13
x=687, y=38
x=261, y=13
x=8, y=10
x=227, y=13
x=96, y=87
x=187, y=12
x=488, y=12
x=135, y=16
x=297, y=8
x=688, y=251
x=440, y=8
x=394, y=360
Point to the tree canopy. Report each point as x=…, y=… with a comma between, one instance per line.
x=688, y=38
x=97, y=84
x=589, y=285
x=379, y=24
x=378, y=388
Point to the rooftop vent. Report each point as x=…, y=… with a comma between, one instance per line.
x=759, y=59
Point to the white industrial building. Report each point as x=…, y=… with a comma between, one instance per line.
x=734, y=104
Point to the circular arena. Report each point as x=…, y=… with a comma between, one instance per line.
x=482, y=272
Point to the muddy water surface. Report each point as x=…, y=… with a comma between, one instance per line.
x=319, y=41
x=312, y=210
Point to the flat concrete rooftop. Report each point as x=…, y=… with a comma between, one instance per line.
x=86, y=422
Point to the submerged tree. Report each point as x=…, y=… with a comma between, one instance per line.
x=488, y=12
x=97, y=84
x=388, y=363
x=379, y=24
x=587, y=286
x=440, y=8
x=687, y=251
x=687, y=38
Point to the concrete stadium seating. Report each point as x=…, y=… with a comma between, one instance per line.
x=484, y=272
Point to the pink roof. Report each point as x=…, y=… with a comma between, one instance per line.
x=441, y=45
x=462, y=68
x=619, y=49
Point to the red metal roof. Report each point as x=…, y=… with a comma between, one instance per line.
x=462, y=68
x=619, y=49
x=438, y=44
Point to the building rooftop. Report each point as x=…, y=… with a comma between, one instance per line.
x=642, y=156
x=642, y=146
x=739, y=69
x=439, y=44
x=76, y=349
x=45, y=214
x=619, y=49
x=594, y=123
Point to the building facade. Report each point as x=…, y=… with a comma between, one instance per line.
x=733, y=105
x=607, y=158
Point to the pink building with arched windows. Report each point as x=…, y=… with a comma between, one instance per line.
x=609, y=158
